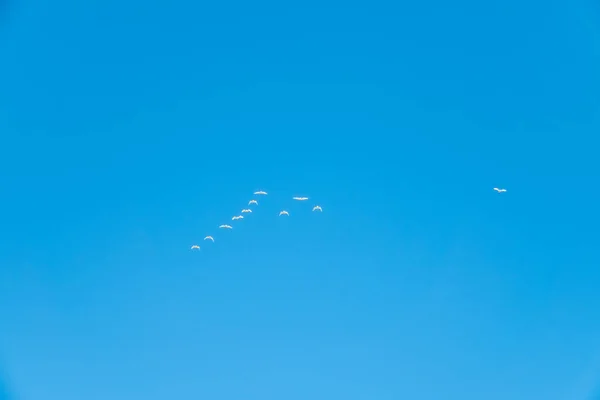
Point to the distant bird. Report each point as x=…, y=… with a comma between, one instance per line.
x=260, y=192
x=237, y=217
x=253, y=202
x=500, y=190
x=317, y=208
x=226, y=226
x=284, y=213
x=300, y=198
x=209, y=238
x=195, y=247
x=246, y=210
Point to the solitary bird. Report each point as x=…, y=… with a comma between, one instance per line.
x=317, y=208
x=226, y=226
x=500, y=190
x=253, y=202
x=246, y=210
x=260, y=192
x=237, y=217
x=300, y=198
x=209, y=238
x=284, y=213
x=195, y=247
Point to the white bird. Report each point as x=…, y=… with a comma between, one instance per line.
x=260, y=192
x=300, y=198
x=209, y=238
x=226, y=226
x=237, y=217
x=253, y=202
x=246, y=210
x=284, y=213
x=195, y=247
x=500, y=190
x=317, y=208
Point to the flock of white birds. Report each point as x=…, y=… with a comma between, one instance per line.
x=281, y=213
x=254, y=202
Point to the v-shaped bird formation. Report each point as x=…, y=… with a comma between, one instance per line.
x=254, y=202
x=282, y=213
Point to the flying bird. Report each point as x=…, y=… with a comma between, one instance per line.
x=237, y=217
x=500, y=190
x=317, y=208
x=300, y=198
x=284, y=213
x=195, y=247
x=253, y=202
x=226, y=226
x=209, y=238
x=260, y=192
x=246, y=210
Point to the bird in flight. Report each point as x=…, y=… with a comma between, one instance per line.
x=226, y=226
x=246, y=210
x=209, y=238
x=300, y=198
x=317, y=208
x=260, y=192
x=500, y=190
x=284, y=213
x=237, y=217
x=252, y=202
x=195, y=247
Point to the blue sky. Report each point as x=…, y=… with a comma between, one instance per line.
x=130, y=129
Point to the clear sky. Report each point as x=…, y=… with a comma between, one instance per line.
x=130, y=129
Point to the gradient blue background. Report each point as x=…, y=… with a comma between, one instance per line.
x=131, y=129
